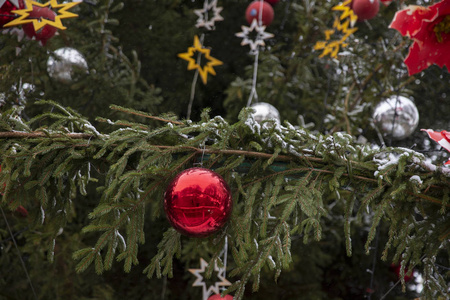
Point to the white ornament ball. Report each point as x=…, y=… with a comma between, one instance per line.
x=61, y=63
x=396, y=117
x=265, y=111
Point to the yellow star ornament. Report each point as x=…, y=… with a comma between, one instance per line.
x=24, y=14
x=208, y=67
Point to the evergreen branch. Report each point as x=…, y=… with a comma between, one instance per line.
x=142, y=114
x=428, y=198
x=239, y=152
x=196, y=150
x=34, y=135
x=267, y=185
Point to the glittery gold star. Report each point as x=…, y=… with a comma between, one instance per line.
x=208, y=67
x=41, y=22
x=328, y=34
x=346, y=11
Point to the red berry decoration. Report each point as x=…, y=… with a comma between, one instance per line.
x=6, y=15
x=46, y=32
x=253, y=12
x=198, y=202
x=365, y=9
x=272, y=2
x=218, y=297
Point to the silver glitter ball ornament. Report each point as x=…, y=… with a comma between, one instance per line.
x=396, y=117
x=62, y=62
x=265, y=111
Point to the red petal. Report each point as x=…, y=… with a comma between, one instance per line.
x=434, y=135
x=426, y=30
x=409, y=21
x=446, y=135
x=418, y=23
x=428, y=51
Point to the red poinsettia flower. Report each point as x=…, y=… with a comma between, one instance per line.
x=429, y=27
x=442, y=138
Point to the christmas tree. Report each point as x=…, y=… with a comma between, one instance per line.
x=330, y=192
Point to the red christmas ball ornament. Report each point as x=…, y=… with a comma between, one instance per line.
x=22, y=211
x=396, y=269
x=218, y=297
x=365, y=9
x=6, y=15
x=46, y=32
x=272, y=2
x=198, y=202
x=253, y=12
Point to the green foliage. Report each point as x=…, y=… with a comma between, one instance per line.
x=273, y=202
x=310, y=200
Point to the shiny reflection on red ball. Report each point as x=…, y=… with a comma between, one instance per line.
x=198, y=202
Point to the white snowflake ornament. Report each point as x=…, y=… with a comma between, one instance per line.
x=261, y=35
x=203, y=15
x=213, y=289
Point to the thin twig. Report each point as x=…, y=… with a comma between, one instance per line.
x=239, y=152
x=428, y=198
x=19, y=134
x=145, y=115
x=194, y=80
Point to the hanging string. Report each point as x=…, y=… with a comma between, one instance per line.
x=19, y=254
x=194, y=81
x=374, y=263
x=225, y=259
x=206, y=15
x=390, y=290
x=164, y=287
x=30, y=60
x=397, y=102
x=253, y=92
x=199, y=59
x=398, y=281
x=203, y=147
x=225, y=256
